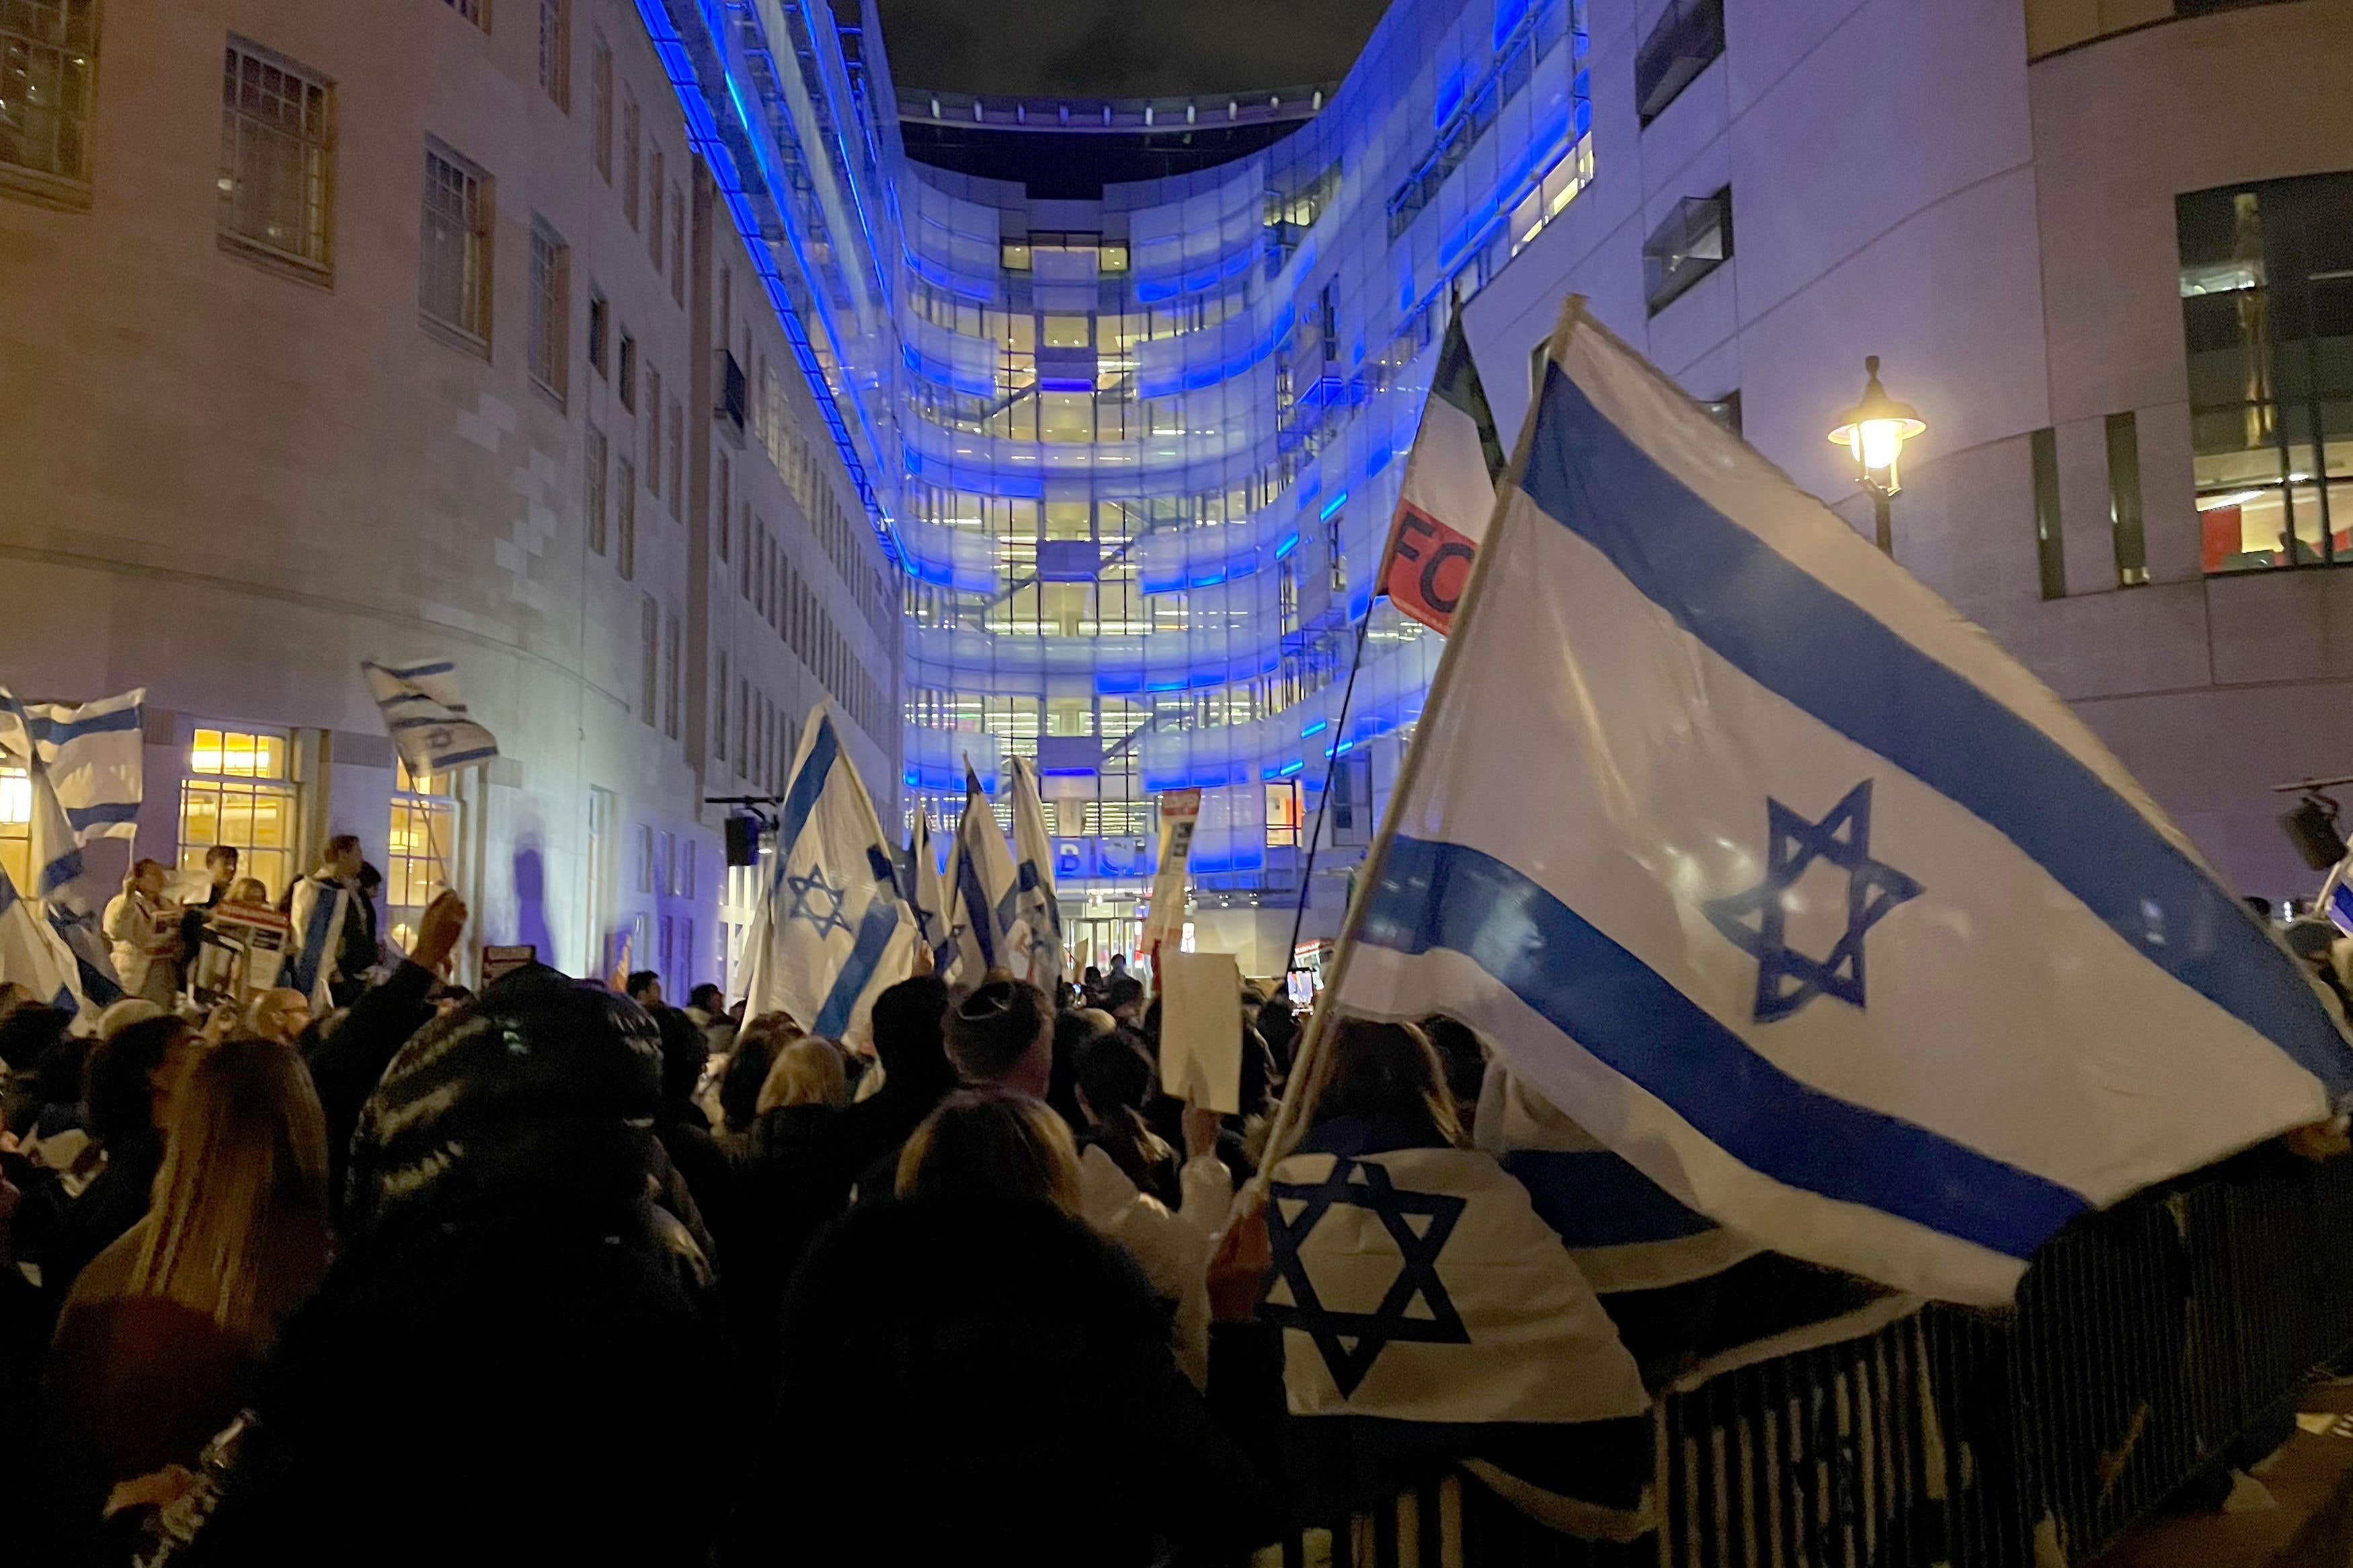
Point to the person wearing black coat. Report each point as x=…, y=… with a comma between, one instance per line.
x=908, y=1019
x=508, y=1362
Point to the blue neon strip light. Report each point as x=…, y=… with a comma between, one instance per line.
x=1334, y=504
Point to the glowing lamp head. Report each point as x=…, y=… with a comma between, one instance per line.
x=1874, y=431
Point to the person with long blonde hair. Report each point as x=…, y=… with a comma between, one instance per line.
x=163, y=1331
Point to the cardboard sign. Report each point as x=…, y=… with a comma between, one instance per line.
x=1202, y=1029
x=498, y=962
x=242, y=953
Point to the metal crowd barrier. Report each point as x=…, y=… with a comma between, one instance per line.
x=2160, y=1341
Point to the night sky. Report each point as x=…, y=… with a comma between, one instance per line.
x=1123, y=48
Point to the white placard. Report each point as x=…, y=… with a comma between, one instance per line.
x=1202, y=1029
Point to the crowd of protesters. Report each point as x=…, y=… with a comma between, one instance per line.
x=559, y=1273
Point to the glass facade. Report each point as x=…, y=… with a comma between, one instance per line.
x=1135, y=454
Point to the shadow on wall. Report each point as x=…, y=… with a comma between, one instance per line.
x=531, y=899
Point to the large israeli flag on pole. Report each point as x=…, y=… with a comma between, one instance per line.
x=926, y=892
x=980, y=890
x=1794, y=890
x=833, y=932
x=426, y=718
x=94, y=754
x=1035, y=907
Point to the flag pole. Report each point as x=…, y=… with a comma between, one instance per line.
x=1339, y=734
x=1311, y=1065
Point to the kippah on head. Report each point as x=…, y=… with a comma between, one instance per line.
x=993, y=1029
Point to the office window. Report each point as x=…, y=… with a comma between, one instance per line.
x=1686, y=38
x=674, y=689
x=686, y=869
x=744, y=762
x=477, y=12
x=2124, y=500
x=2049, y=542
x=238, y=791
x=625, y=503
x=720, y=510
x=719, y=712
x=648, y=658
x=629, y=156
x=2267, y=310
x=555, y=51
x=1550, y=196
x=550, y=324
x=422, y=837
x=592, y=492
x=276, y=156
x=678, y=246
x=48, y=54
x=600, y=104
x=1694, y=241
x=654, y=189
x=453, y=285
x=676, y=458
x=644, y=856
x=628, y=388
x=653, y=431
x=600, y=327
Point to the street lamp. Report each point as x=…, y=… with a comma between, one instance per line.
x=1874, y=430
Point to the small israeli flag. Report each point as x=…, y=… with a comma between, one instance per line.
x=1793, y=890
x=982, y=919
x=832, y=932
x=1034, y=910
x=318, y=909
x=926, y=892
x=426, y=718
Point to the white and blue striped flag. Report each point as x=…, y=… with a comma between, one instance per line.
x=1035, y=910
x=1791, y=888
x=426, y=718
x=926, y=892
x=32, y=953
x=832, y=932
x=85, y=768
x=982, y=919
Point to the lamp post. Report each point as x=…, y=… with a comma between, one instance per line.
x=1874, y=430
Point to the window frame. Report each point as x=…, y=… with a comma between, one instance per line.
x=555, y=54
x=50, y=185
x=547, y=359
x=253, y=784
x=1673, y=266
x=318, y=225
x=598, y=455
x=480, y=192
x=625, y=541
x=600, y=103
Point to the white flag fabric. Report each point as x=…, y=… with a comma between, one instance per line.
x=94, y=753
x=833, y=932
x=1791, y=888
x=1036, y=910
x=980, y=891
x=1447, y=493
x=926, y=892
x=317, y=909
x=426, y=718
x=32, y=953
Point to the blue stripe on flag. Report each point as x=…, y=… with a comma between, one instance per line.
x=62, y=872
x=59, y=732
x=8, y=894
x=442, y=764
x=413, y=671
x=1629, y=1018
x=1806, y=642
x=82, y=818
x=1595, y=1198
x=975, y=899
x=807, y=785
x=874, y=935
x=309, y=962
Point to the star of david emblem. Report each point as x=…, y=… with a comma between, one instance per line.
x=438, y=739
x=817, y=901
x=1350, y=1342
x=1756, y=921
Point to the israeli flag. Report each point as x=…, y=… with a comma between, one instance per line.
x=1035, y=910
x=94, y=755
x=981, y=912
x=426, y=718
x=32, y=953
x=926, y=892
x=318, y=909
x=1791, y=888
x=832, y=932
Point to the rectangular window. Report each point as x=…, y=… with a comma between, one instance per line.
x=1695, y=240
x=551, y=316
x=744, y=725
x=1550, y=196
x=628, y=388
x=676, y=458
x=678, y=246
x=49, y=53
x=643, y=842
x=625, y=501
x=629, y=156
x=477, y=12
x=276, y=155
x=686, y=869
x=555, y=51
x=719, y=712
x=673, y=689
x=649, y=658
x=238, y=791
x=453, y=286
x=591, y=495
x=654, y=189
x=422, y=836
x=2124, y=500
x=600, y=105
x=600, y=327
x=2050, y=547
x=1687, y=37
x=2267, y=310
x=720, y=512
x=653, y=431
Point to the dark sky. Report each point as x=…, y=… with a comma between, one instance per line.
x=1123, y=48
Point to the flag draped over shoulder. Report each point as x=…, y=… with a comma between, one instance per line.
x=1827, y=917
x=317, y=911
x=426, y=718
x=926, y=892
x=85, y=771
x=832, y=932
x=1447, y=490
x=981, y=909
x=1035, y=910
